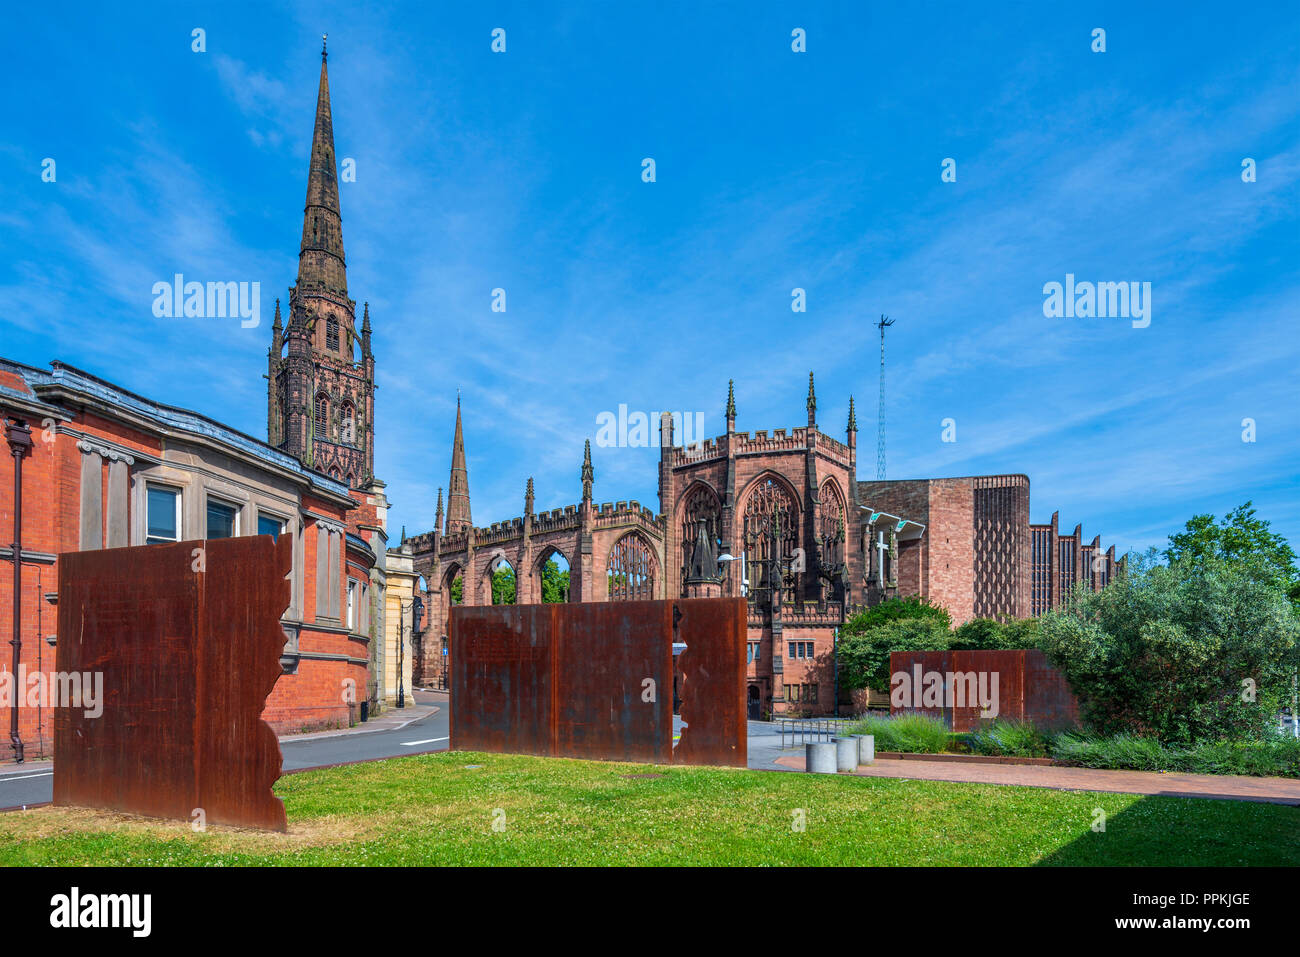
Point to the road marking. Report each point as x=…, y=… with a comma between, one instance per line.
x=411, y=744
x=26, y=777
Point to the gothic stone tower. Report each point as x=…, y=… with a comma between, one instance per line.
x=321, y=388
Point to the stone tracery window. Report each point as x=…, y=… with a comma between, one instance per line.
x=700, y=505
x=832, y=528
x=631, y=569
x=331, y=332
x=771, y=535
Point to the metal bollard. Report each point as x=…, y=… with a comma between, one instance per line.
x=866, y=748
x=846, y=754
x=820, y=758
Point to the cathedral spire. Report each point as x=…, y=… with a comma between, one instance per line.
x=320, y=398
x=320, y=258
x=853, y=419
x=812, y=402
x=731, y=405
x=458, y=515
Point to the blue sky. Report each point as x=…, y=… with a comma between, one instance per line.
x=775, y=170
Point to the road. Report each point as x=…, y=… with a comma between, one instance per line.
x=34, y=785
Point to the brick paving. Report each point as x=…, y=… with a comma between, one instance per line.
x=1224, y=786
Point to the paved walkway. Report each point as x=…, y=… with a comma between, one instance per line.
x=1227, y=786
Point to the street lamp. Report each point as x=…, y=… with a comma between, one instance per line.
x=723, y=559
x=401, y=647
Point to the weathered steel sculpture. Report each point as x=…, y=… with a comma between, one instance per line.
x=967, y=689
x=596, y=680
x=187, y=637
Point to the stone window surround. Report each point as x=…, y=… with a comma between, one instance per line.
x=195, y=487
x=329, y=567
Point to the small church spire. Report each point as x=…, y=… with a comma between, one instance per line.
x=853, y=419
x=731, y=405
x=812, y=402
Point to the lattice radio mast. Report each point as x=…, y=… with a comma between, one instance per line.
x=884, y=323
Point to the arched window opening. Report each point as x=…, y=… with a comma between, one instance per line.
x=631, y=570
x=553, y=578
x=346, y=417
x=504, y=585
x=772, y=557
x=322, y=417
x=701, y=505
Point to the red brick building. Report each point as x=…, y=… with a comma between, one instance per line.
x=106, y=468
x=779, y=518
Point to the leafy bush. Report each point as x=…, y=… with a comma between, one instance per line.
x=864, y=656
x=1273, y=755
x=1009, y=739
x=988, y=634
x=894, y=609
x=910, y=733
x=1165, y=652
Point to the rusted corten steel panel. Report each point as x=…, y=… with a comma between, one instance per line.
x=572, y=680
x=712, y=670
x=188, y=640
x=1018, y=685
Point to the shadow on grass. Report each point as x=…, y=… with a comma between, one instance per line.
x=1172, y=831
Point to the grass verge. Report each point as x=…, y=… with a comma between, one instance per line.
x=436, y=810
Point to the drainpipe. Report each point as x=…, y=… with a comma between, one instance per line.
x=20, y=440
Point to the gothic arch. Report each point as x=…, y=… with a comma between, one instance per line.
x=547, y=553
x=833, y=509
x=833, y=537
x=631, y=572
x=771, y=531
x=761, y=483
x=698, y=503
x=497, y=561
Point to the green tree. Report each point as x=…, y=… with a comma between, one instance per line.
x=1243, y=539
x=555, y=583
x=503, y=586
x=458, y=590
x=864, y=653
x=1200, y=650
x=892, y=609
x=988, y=634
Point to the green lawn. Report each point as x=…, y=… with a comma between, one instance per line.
x=433, y=809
